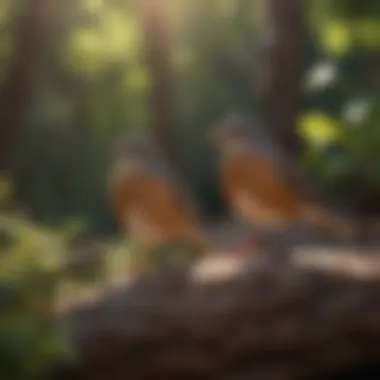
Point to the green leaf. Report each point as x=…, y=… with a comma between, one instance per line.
x=336, y=36
x=319, y=129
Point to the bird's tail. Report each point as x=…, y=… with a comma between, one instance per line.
x=328, y=221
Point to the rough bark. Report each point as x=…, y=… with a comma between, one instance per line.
x=289, y=322
x=17, y=91
x=156, y=37
x=280, y=70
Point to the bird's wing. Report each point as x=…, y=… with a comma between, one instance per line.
x=147, y=199
x=259, y=181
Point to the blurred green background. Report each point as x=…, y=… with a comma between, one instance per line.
x=94, y=81
x=92, y=85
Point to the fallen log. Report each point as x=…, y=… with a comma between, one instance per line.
x=264, y=322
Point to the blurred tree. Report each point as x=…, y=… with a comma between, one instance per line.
x=280, y=72
x=17, y=91
x=162, y=109
x=99, y=80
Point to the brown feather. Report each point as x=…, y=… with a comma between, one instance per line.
x=151, y=209
x=252, y=176
x=327, y=221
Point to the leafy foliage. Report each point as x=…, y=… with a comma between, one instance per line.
x=32, y=345
x=36, y=275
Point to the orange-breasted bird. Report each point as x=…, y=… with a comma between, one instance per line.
x=256, y=184
x=147, y=200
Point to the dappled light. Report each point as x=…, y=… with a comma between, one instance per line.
x=189, y=189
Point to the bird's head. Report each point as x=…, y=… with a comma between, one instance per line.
x=137, y=153
x=132, y=150
x=234, y=130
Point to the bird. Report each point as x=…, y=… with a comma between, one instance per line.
x=258, y=185
x=148, y=202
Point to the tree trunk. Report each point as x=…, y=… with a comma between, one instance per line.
x=280, y=74
x=158, y=59
x=17, y=92
x=162, y=108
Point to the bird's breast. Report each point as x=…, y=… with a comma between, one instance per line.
x=251, y=208
x=149, y=209
x=256, y=190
